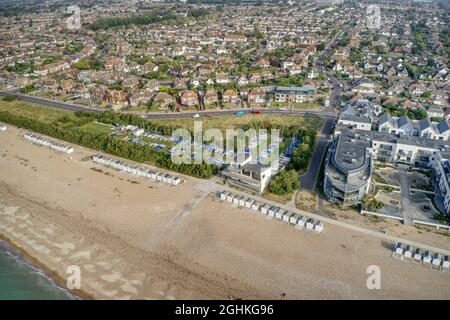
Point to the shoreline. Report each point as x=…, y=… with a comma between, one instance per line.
x=36, y=264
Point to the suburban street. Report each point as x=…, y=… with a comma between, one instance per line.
x=308, y=180
x=161, y=116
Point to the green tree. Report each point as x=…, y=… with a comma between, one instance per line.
x=285, y=182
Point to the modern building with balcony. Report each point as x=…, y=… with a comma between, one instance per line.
x=248, y=175
x=348, y=165
x=442, y=177
x=348, y=169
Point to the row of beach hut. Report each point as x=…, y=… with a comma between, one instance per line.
x=137, y=170
x=48, y=143
x=287, y=216
x=419, y=255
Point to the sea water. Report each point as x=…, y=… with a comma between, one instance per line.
x=21, y=280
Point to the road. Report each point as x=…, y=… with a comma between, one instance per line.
x=308, y=179
x=49, y=102
x=174, y=115
x=336, y=92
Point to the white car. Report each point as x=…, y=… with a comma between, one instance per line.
x=196, y=115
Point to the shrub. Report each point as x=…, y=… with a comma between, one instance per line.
x=9, y=98
x=284, y=182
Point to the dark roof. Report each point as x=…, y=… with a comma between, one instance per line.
x=424, y=123
x=385, y=117
x=443, y=126
x=403, y=120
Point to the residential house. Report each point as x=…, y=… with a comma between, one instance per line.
x=429, y=130
x=230, y=96
x=164, y=100
x=210, y=97
x=222, y=78
x=189, y=98
x=257, y=96
x=435, y=111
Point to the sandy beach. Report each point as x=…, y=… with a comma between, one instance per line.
x=137, y=239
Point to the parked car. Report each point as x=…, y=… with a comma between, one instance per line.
x=196, y=115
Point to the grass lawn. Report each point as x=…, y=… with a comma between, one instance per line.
x=295, y=105
x=225, y=122
x=97, y=127
x=281, y=199
x=307, y=105
x=26, y=109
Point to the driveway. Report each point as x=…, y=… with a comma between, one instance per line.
x=407, y=208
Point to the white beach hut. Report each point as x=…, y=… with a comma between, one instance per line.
x=230, y=197
x=417, y=255
x=294, y=218
x=279, y=214
x=426, y=257
x=69, y=150
x=236, y=199
x=148, y=174
x=249, y=202
x=318, y=227
x=265, y=209
x=398, y=250
x=167, y=178
x=170, y=180
x=140, y=171
x=301, y=222
x=445, y=264
x=271, y=212
x=255, y=206
x=287, y=216
x=242, y=201
x=310, y=224
x=176, y=180
x=436, y=262
x=408, y=252
x=223, y=195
